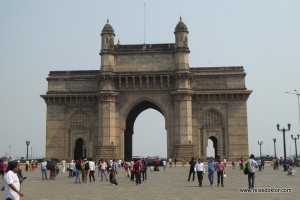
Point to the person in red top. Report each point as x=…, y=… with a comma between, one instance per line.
x=137, y=171
x=220, y=171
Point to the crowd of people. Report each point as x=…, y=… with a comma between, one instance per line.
x=85, y=169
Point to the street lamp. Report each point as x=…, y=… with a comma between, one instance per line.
x=274, y=140
x=260, y=143
x=27, y=143
x=283, y=130
x=31, y=154
x=295, y=138
x=298, y=94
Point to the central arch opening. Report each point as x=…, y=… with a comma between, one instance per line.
x=143, y=129
x=150, y=136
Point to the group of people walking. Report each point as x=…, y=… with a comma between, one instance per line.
x=197, y=166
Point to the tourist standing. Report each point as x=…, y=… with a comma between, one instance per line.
x=262, y=164
x=51, y=167
x=164, y=164
x=103, y=169
x=127, y=169
x=192, y=166
x=200, y=169
x=44, y=169
x=241, y=163
x=77, y=171
x=170, y=162
x=144, y=169
x=92, y=167
x=12, y=183
x=132, y=170
x=71, y=168
x=63, y=163
x=211, y=171
x=26, y=165
x=137, y=171
x=259, y=164
x=233, y=164
x=220, y=166
x=253, y=164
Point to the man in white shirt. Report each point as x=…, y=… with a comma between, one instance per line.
x=251, y=175
x=200, y=169
x=92, y=170
x=63, y=162
x=12, y=183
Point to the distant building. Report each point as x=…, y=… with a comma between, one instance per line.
x=91, y=113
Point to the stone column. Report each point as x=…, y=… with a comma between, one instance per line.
x=184, y=148
x=108, y=139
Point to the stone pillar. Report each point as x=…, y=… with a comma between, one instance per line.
x=184, y=148
x=108, y=139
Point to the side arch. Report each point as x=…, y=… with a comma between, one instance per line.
x=213, y=128
x=79, y=135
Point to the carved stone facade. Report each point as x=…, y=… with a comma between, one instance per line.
x=92, y=113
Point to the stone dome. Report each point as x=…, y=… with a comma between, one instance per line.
x=108, y=29
x=180, y=27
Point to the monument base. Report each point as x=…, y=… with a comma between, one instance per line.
x=107, y=152
x=184, y=152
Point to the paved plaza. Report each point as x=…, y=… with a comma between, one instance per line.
x=171, y=184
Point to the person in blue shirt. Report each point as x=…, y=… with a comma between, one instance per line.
x=211, y=171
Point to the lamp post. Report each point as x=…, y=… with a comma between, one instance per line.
x=260, y=143
x=274, y=140
x=31, y=154
x=27, y=143
x=295, y=138
x=283, y=130
x=298, y=94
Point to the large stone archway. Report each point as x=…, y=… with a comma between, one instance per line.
x=130, y=119
x=133, y=78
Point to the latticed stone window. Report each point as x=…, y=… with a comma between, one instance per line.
x=212, y=118
x=79, y=121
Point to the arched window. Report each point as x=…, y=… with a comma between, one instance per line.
x=212, y=119
x=186, y=40
x=80, y=120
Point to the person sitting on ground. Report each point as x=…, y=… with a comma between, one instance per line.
x=291, y=171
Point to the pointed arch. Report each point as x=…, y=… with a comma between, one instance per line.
x=136, y=108
x=212, y=118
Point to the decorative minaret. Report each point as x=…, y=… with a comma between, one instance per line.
x=181, y=46
x=107, y=97
x=182, y=94
x=107, y=48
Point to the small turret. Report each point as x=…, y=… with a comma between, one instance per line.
x=181, y=46
x=108, y=36
x=107, y=48
x=181, y=35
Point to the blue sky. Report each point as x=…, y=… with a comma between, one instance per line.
x=41, y=36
